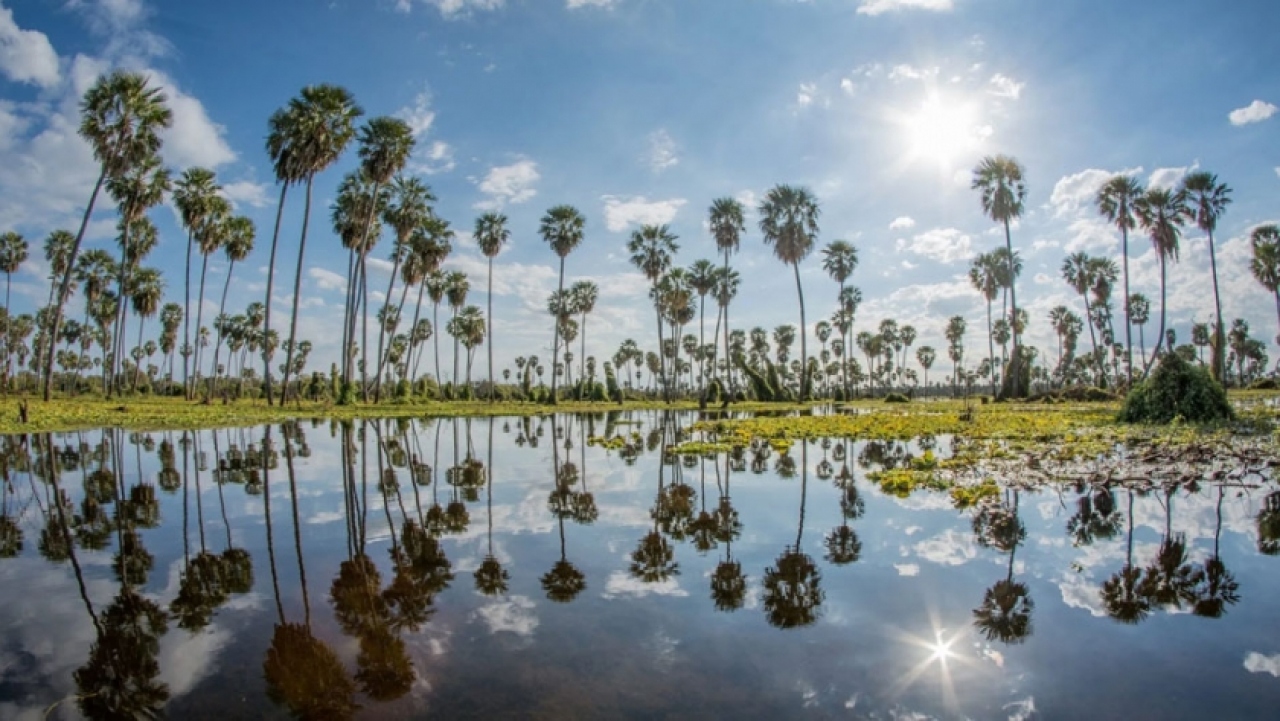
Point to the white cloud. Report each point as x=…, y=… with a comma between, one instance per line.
x=950, y=548
x=876, y=7
x=26, y=56
x=662, y=150
x=1254, y=112
x=247, y=193
x=1169, y=177
x=620, y=213
x=622, y=584
x=847, y=86
x=453, y=9
x=1257, y=663
x=907, y=569
x=1092, y=234
x=574, y=4
x=514, y=616
x=1002, y=86
x=326, y=279
x=910, y=72
x=509, y=184
x=944, y=245
x=193, y=139
x=807, y=95
x=419, y=116
x=1072, y=192
x=903, y=222
x=434, y=159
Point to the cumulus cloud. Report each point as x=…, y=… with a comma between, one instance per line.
x=325, y=279
x=246, y=192
x=194, y=139
x=1169, y=177
x=622, y=584
x=433, y=159
x=907, y=569
x=1076, y=191
x=452, y=9
x=1254, y=112
x=26, y=56
x=509, y=184
x=808, y=95
x=574, y=4
x=662, y=151
x=944, y=245
x=514, y=615
x=877, y=7
x=950, y=548
x=623, y=212
x=907, y=71
x=419, y=115
x=1002, y=86
x=1257, y=663
x=902, y=223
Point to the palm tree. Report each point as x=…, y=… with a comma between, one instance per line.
x=306, y=137
x=1138, y=312
x=562, y=229
x=1116, y=200
x=727, y=226
x=1207, y=200
x=789, y=224
x=584, y=294
x=651, y=248
x=999, y=179
x=1162, y=213
x=727, y=283
x=1265, y=263
x=212, y=236
x=491, y=235
x=430, y=246
x=145, y=294
x=437, y=285
x=13, y=253
x=955, y=337
x=356, y=202
x=840, y=259
x=702, y=278
x=456, y=287
x=408, y=209
x=1077, y=270
x=240, y=234
x=984, y=275
x=385, y=146
x=195, y=194
x=121, y=118
x=792, y=588
x=925, y=355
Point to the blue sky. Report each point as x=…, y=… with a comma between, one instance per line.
x=645, y=110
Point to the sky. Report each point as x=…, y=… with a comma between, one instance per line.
x=644, y=111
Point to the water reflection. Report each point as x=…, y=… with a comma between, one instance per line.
x=161, y=540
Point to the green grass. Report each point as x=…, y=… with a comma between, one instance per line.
x=153, y=413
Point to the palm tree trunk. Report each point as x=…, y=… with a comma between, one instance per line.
x=417, y=357
x=1128, y=322
x=662, y=358
x=1277, y=294
x=347, y=315
x=382, y=360
x=728, y=354
x=1155, y=352
x=137, y=366
x=66, y=284
x=435, y=335
x=702, y=363
x=364, y=329
x=492, y=394
x=1219, y=349
x=804, y=331
x=222, y=311
x=204, y=267
x=991, y=348
x=395, y=268
x=271, y=277
x=1088, y=313
x=293, y=314
x=555, y=342
x=121, y=307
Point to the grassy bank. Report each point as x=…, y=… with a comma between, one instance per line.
x=152, y=413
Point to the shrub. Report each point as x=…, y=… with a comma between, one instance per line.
x=896, y=398
x=1176, y=389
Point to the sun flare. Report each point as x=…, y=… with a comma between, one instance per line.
x=942, y=130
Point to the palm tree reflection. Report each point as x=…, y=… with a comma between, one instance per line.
x=793, y=593
x=728, y=582
x=1005, y=612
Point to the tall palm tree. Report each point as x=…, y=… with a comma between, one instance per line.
x=1265, y=263
x=984, y=276
x=437, y=285
x=727, y=282
x=456, y=287
x=789, y=224
x=1207, y=199
x=211, y=238
x=240, y=233
x=492, y=235
x=409, y=207
x=1162, y=214
x=1077, y=271
x=955, y=338
x=13, y=253
x=145, y=294
x=1116, y=200
x=1138, y=311
x=584, y=294
x=999, y=179
x=430, y=246
x=195, y=194
x=121, y=118
x=925, y=355
x=727, y=223
x=702, y=277
x=562, y=229
x=840, y=259
x=306, y=137
x=652, y=248
x=385, y=145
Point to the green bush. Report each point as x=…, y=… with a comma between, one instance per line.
x=896, y=398
x=1176, y=389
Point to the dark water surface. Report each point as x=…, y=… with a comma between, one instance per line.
x=481, y=568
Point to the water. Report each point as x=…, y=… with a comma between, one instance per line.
x=496, y=590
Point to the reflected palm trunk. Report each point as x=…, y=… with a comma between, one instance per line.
x=793, y=594
x=491, y=578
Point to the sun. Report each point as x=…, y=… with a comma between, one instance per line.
x=942, y=130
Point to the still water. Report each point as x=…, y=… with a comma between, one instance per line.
x=511, y=568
